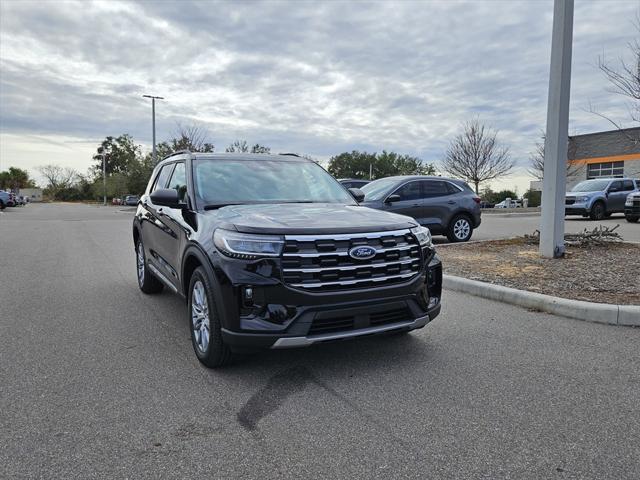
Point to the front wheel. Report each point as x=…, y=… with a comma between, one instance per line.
x=631, y=218
x=460, y=229
x=206, y=331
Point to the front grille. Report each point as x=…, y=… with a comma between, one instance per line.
x=322, y=263
x=323, y=324
x=569, y=200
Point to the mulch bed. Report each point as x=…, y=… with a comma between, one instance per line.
x=602, y=274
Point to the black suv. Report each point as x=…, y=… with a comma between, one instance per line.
x=270, y=251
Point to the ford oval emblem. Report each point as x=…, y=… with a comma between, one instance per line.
x=362, y=253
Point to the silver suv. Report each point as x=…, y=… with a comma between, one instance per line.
x=445, y=205
x=600, y=197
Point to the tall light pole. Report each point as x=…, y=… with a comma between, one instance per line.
x=554, y=181
x=104, y=176
x=153, y=123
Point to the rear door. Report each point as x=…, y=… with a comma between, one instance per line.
x=439, y=203
x=410, y=202
x=151, y=224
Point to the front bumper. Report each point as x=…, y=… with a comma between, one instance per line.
x=287, y=318
x=633, y=210
x=577, y=209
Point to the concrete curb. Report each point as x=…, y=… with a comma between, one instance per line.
x=628, y=315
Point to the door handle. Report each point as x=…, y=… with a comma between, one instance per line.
x=415, y=205
x=451, y=202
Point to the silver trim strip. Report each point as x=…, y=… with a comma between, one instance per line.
x=343, y=254
x=162, y=277
x=293, y=342
x=346, y=236
x=353, y=282
x=353, y=267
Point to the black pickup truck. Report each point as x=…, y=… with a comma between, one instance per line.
x=270, y=251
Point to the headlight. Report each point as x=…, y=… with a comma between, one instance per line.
x=423, y=235
x=582, y=199
x=247, y=246
x=629, y=201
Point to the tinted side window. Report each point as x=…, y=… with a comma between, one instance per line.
x=627, y=185
x=615, y=185
x=163, y=176
x=178, y=182
x=409, y=191
x=452, y=188
x=435, y=188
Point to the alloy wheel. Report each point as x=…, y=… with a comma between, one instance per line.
x=140, y=263
x=461, y=229
x=200, y=316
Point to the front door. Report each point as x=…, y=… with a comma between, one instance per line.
x=617, y=196
x=410, y=202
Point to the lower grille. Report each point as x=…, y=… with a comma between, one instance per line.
x=323, y=263
x=327, y=324
x=569, y=200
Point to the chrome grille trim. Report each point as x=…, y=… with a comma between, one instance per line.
x=350, y=267
x=322, y=262
x=346, y=254
x=354, y=282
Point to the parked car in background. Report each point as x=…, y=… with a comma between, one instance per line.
x=4, y=199
x=131, y=200
x=599, y=198
x=12, y=200
x=632, y=207
x=513, y=203
x=485, y=204
x=444, y=205
x=353, y=182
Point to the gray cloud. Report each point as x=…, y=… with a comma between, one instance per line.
x=313, y=77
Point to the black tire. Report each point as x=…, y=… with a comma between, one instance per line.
x=460, y=229
x=598, y=211
x=608, y=214
x=216, y=353
x=632, y=219
x=2, y=207
x=146, y=281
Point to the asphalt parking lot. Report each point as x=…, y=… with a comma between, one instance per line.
x=100, y=381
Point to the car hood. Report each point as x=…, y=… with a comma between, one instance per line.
x=302, y=218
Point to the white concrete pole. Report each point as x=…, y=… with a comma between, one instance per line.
x=555, y=149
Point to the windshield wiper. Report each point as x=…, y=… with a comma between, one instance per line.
x=215, y=206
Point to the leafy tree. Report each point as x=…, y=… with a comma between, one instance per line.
x=138, y=174
x=476, y=156
x=15, y=178
x=119, y=152
x=241, y=146
x=357, y=164
x=534, y=196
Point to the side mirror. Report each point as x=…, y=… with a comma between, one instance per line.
x=166, y=197
x=613, y=189
x=357, y=194
x=392, y=198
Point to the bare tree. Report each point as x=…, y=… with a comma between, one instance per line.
x=476, y=156
x=624, y=79
x=57, y=177
x=241, y=146
x=536, y=159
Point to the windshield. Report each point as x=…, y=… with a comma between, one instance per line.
x=377, y=189
x=223, y=182
x=591, y=186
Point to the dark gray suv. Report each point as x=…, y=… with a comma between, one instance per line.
x=447, y=206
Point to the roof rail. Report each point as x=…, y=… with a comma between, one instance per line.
x=290, y=154
x=179, y=152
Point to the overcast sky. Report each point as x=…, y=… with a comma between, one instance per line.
x=312, y=77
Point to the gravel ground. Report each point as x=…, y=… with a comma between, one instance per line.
x=608, y=274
